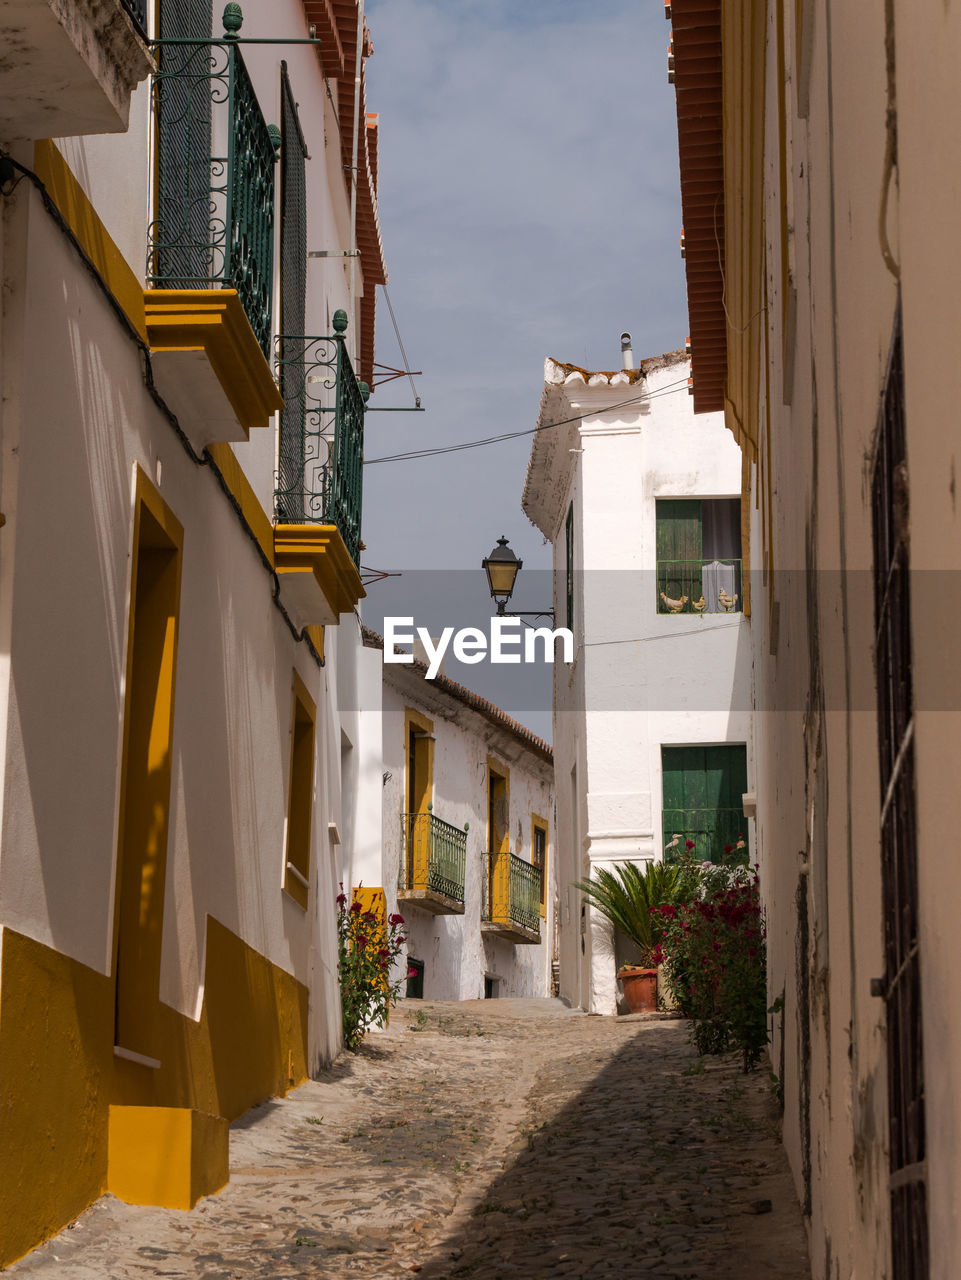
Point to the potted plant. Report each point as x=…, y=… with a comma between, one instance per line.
x=628, y=897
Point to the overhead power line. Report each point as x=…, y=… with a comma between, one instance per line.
x=670, y=389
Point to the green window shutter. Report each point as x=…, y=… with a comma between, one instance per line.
x=702, y=797
x=293, y=302
x=679, y=551
x=182, y=258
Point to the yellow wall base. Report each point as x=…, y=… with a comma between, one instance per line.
x=168, y=1156
x=60, y=1082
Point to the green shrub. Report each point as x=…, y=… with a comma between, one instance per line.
x=367, y=946
x=714, y=952
x=629, y=897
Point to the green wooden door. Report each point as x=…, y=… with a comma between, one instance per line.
x=702, y=789
x=679, y=552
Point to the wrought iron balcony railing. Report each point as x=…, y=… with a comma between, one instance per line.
x=435, y=856
x=713, y=831
x=699, y=586
x=214, y=223
x=512, y=892
x=138, y=11
x=321, y=466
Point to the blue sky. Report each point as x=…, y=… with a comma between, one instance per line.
x=529, y=205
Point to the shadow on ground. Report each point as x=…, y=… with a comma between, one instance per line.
x=658, y=1164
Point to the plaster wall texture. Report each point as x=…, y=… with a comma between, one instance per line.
x=456, y=951
x=641, y=679
x=67, y=491
x=816, y=729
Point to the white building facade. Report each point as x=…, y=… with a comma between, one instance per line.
x=173, y=544
x=468, y=839
x=652, y=722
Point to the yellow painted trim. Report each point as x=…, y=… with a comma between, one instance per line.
x=500, y=885
x=144, y=809
x=318, y=638
x=59, y=1076
x=300, y=791
x=319, y=549
x=417, y=852
x=214, y=321
x=168, y=1156
x=84, y=221
x=538, y=821
x=243, y=493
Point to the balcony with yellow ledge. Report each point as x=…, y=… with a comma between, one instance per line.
x=210, y=266
x=512, y=897
x=434, y=864
x=317, y=542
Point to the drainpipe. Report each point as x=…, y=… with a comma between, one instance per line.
x=354, y=306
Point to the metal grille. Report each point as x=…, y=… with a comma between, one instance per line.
x=215, y=191
x=293, y=299
x=324, y=484
x=435, y=855
x=899, y=862
x=138, y=11
x=512, y=892
x=179, y=252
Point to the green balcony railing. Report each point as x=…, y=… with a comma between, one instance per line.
x=321, y=464
x=435, y=856
x=699, y=586
x=512, y=892
x=214, y=223
x=712, y=831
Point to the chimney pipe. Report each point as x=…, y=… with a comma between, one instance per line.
x=627, y=355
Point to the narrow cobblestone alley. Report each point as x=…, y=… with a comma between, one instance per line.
x=510, y=1138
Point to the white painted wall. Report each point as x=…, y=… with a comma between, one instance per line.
x=457, y=953
x=641, y=679
x=75, y=421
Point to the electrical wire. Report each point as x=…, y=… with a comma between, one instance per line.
x=400, y=343
x=671, y=388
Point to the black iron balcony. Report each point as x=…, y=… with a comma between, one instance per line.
x=214, y=223
x=512, y=897
x=433, y=864
x=320, y=473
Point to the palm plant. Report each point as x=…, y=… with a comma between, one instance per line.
x=626, y=896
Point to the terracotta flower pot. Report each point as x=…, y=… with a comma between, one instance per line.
x=640, y=988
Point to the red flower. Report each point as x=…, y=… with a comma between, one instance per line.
x=688, y=844
x=412, y=973
x=395, y=919
x=356, y=908
x=729, y=848
x=341, y=899
x=362, y=939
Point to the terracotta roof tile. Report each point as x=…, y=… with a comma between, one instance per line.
x=493, y=714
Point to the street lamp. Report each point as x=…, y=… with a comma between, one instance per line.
x=502, y=568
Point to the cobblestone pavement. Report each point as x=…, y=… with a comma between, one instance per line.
x=507, y=1138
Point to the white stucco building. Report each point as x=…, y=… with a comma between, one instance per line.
x=176, y=726
x=652, y=722
x=468, y=838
